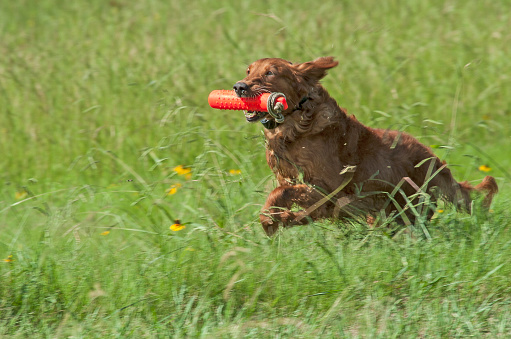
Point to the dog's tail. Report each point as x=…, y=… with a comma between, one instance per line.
x=488, y=186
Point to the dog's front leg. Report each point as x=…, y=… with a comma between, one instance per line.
x=278, y=209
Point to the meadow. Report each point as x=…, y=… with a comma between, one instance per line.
x=129, y=208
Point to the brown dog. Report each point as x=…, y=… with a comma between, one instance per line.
x=328, y=164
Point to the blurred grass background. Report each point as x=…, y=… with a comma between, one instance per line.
x=100, y=101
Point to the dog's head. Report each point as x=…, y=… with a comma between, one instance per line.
x=295, y=81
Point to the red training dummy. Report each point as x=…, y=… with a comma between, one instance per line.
x=225, y=99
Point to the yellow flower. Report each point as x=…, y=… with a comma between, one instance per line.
x=484, y=168
x=185, y=171
x=105, y=233
x=182, y=170
x=440, y=211
x=177, y=226
x=9, y=259
x=173, y=189
x=20, y=195
x=234, y=172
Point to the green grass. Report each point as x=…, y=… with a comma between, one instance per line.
x=100, y=101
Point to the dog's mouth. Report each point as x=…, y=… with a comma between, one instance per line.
x=253, y=116
x=246, y=92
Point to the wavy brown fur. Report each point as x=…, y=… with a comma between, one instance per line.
x=317, y=141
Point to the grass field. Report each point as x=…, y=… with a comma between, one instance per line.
x=106, y=139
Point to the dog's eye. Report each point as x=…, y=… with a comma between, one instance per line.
x=269, y=73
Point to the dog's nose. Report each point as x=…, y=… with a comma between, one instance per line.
x=240, y=88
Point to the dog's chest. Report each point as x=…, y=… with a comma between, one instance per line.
x=298, y=160
x=285, y=169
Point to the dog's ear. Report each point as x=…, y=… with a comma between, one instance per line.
x=316, y=69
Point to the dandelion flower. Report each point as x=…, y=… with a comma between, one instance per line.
x=105, y=233
x=177, y=226
x=234, y=172
x=484, y=168
x=173, y=189
x=9, y=259
x=440, y=211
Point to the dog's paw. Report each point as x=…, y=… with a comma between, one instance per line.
x=271, y=221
